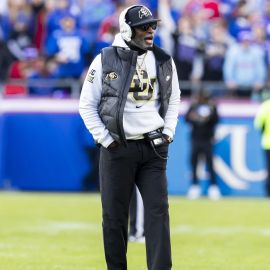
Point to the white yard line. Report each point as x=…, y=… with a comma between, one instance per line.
x=55, y=227
x=58, y=227
x=233, y=230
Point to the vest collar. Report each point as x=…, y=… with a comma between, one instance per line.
x=160, y=55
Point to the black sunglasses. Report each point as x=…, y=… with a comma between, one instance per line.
x=145, y=27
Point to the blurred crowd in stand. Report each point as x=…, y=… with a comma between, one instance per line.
x=220, y=41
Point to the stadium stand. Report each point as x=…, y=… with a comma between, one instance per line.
x=202, y=36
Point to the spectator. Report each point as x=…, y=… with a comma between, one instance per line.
x=21, y=36
x=262, y=122
x=215, y=50
x=54, y=16
x=214, y=54
x=244, y=67
x=203, y=117
x=68, y=47
x=187, y=52
x=243, y=16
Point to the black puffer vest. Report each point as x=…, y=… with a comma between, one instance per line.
x=118, y=68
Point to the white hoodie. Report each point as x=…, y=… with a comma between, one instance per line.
x=141, y=109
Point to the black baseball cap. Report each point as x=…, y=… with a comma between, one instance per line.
x=139, y=15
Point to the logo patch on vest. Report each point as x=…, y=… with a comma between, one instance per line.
x=111, y=76
x=90, y=76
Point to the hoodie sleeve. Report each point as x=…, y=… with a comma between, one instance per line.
x=171, y=117
x=89, y=102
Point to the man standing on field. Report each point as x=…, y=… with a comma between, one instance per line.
x=129, y=102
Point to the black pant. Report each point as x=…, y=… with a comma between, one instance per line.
x=202, y=148
x=267, y=152
x=136, y=215
x=133, y=213
x=120, y=168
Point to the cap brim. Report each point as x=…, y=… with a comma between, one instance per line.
x=145, y=22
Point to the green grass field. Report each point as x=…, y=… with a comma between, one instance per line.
x=43, y=231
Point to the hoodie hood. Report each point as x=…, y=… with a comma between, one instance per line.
x=119, y=41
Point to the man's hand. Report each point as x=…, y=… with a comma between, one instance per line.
x=113, y=145
x=167, y=138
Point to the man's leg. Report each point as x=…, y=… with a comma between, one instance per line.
x=152, y=183
x=117, y=170
x=139, y=215
x=132, y=214
x=194, y=162
x=136, y=217
x=207, y=149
